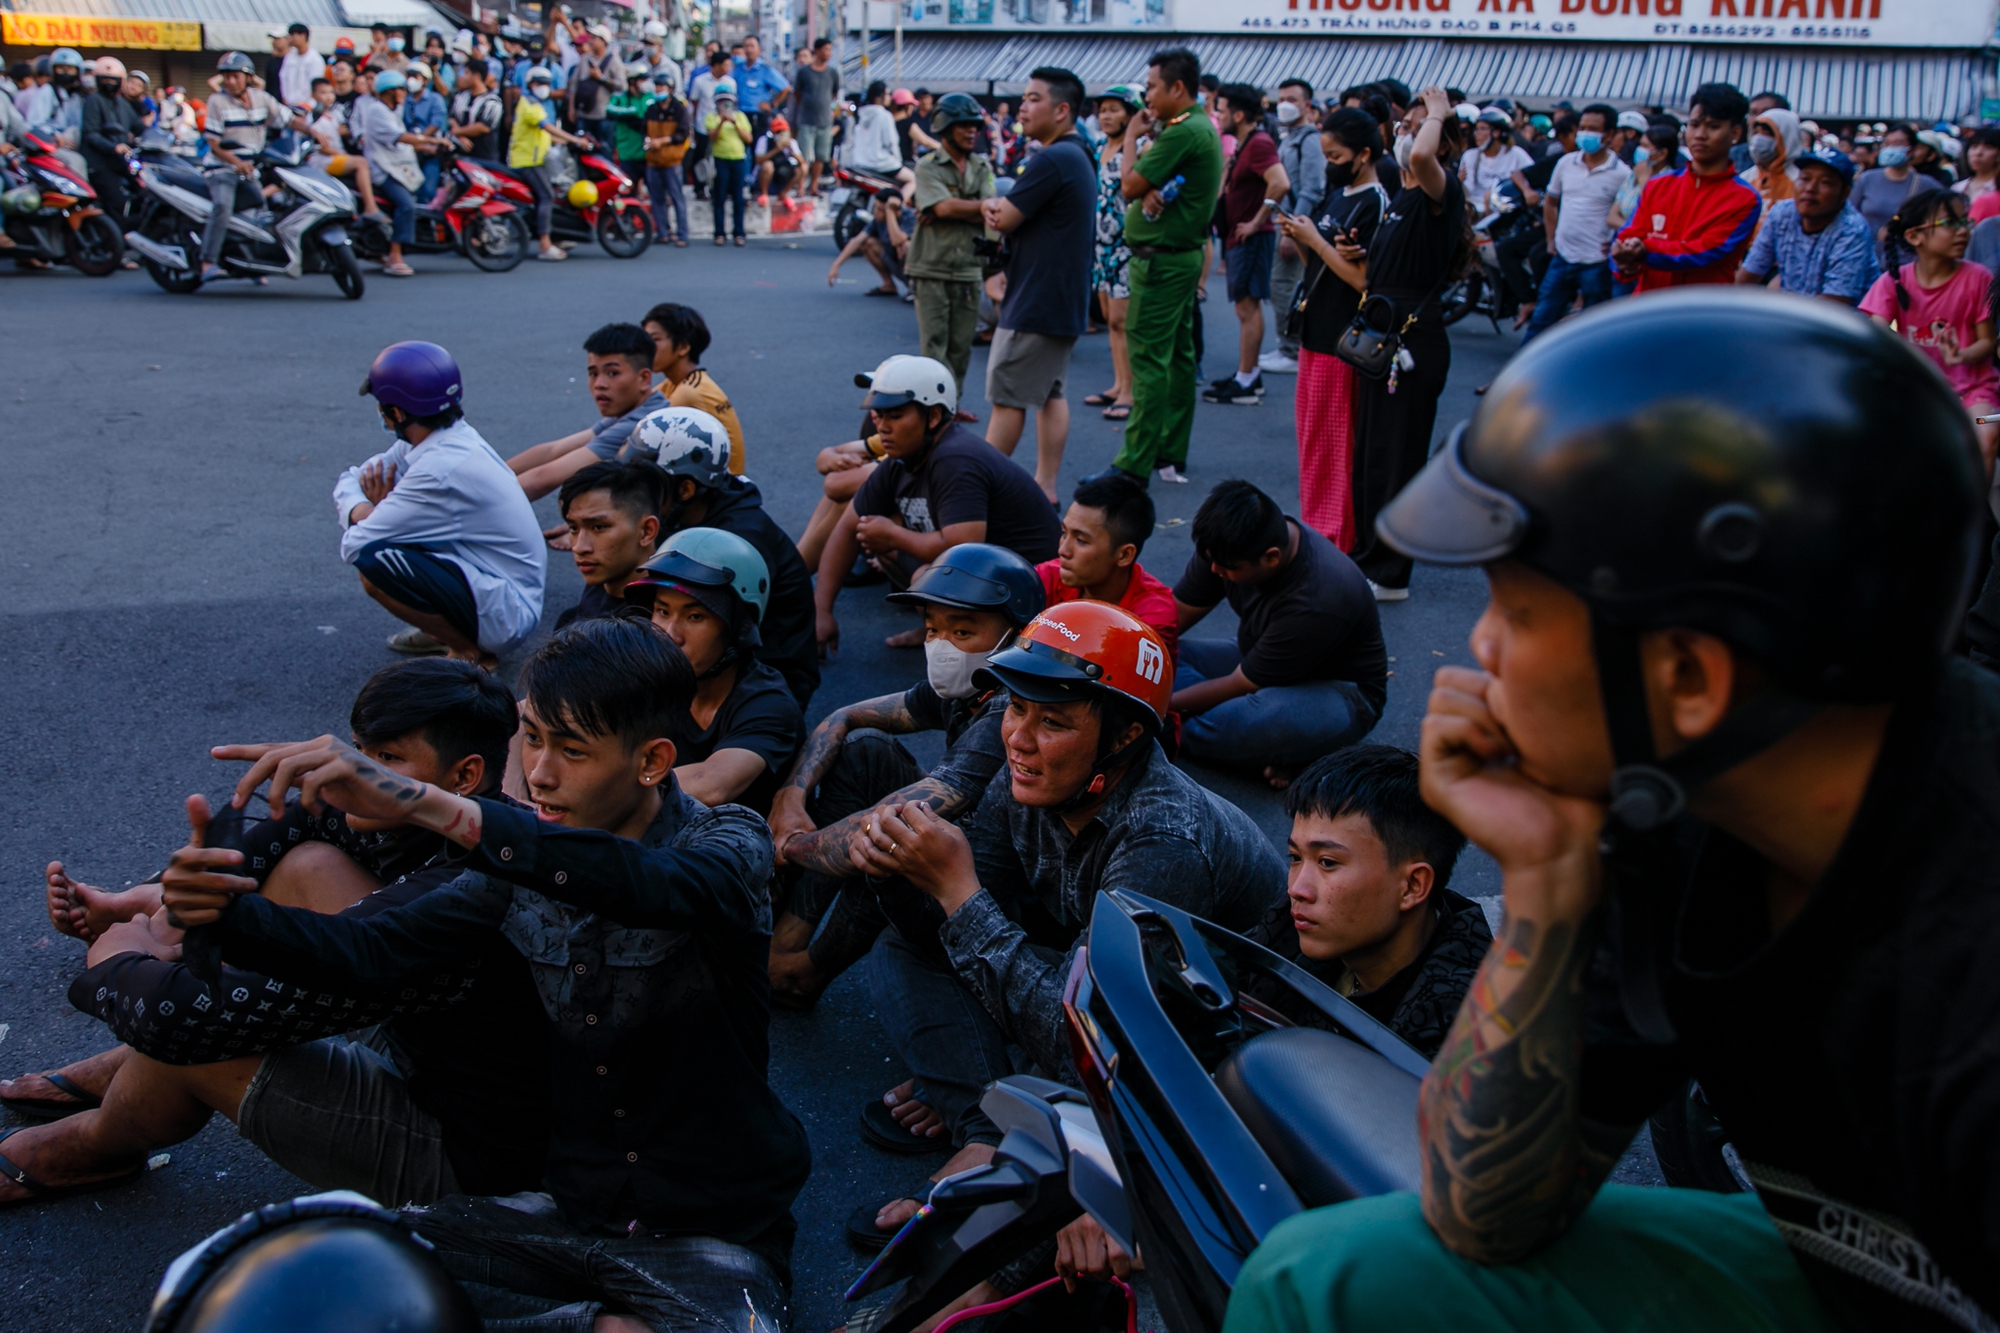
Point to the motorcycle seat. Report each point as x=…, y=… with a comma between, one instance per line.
x=1337, y=1120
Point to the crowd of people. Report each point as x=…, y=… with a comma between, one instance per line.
x=474, y=957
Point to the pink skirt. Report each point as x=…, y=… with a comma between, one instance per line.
x=1325, y=411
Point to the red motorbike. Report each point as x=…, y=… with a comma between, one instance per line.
x=51, y=214
x=601, y=205
x=472, y=214
x=853, y=196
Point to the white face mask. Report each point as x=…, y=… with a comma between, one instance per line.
x=1288, y=113
x=950, y=669
x=1406, y=144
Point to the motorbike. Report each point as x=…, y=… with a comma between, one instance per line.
x=301, y=228
x=600, y=204
x=1224, y=1090
x=52, y=215
x=853, y=195
x=467, y=216
x=1483, y=291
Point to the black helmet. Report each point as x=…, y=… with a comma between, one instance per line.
x=332, y=1263
x=1810, y=494
x=979, y=577
x=236, y=62
x=955, y=109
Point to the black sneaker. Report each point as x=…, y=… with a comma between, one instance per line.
x=1229, y=391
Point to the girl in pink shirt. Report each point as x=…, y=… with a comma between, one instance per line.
x=1940, y=303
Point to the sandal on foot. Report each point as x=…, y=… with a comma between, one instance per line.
x=48, y=1108
x=40, y=1193
x=880, y=291
x=1105, y=399
x=880, y=1127
x=1118, y=412
x=863, y=1234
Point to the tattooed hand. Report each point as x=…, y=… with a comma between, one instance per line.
x=197, y=884
x=328, y=771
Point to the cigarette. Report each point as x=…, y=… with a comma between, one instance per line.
x=1986, y=421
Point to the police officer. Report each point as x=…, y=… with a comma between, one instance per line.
x=944, y=266
x=1714, y=729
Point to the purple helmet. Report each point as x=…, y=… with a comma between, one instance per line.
x=421, y=378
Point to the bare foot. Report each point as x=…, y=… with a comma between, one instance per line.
x=909, y=638
x=84, y=911
x=66, y=910
x=920, y=1118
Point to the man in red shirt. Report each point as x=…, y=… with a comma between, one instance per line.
x=1106, y=527
x=1694, y=225
x=1251, y=190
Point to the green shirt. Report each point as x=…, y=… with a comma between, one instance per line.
x=627, y=112
x=1189, y=147
x=942, y=247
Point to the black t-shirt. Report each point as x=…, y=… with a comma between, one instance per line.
x=1852, y=1056
x=1416, y=245
x=595, y=604
x=973, y=751
x=1545, y=167
x=1049, y=254
x=963, y=479
x=790, y=646
x=1315, y=619
x=760, y=716
x=1331, y=303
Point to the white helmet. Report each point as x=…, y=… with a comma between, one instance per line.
x=909, y=379
x=655, y=28
x=682, y=442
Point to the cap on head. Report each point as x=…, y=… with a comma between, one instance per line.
x=1078, y=650
x=976, y=576
x=1633, y=120
x=902, y=97
x=1839, y=163
x=725, y=88
x=420, y=378
x=909, y=379
x=779, y=125
x=1758, y=508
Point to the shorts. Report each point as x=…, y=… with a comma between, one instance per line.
x=815, y=142
x=1026, y=370
x=1249, y=267
x=339, y=1116
x=422, y=582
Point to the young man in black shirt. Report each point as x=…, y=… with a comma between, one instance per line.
x=646, y=923
x=938, y=486
x=449, y=1093
x=612, y=511
x=1747, y=814
x=1308, y=672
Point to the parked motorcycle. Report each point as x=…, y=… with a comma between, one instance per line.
x=469, y=215
x=601, y=204
x=1225, y=1089
x=852, y=198
x=1484, y=290
x=301, y=228
x=51, y=214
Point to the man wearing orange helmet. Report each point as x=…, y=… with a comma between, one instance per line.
x=1091, y=805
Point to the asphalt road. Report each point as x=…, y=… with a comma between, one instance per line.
x=172, y=581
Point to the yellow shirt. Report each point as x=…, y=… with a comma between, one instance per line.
x=529, y=146
x=728, y=140
x=699, y=391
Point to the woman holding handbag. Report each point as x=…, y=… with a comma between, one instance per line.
x=1397, y=342
x=1335, y=247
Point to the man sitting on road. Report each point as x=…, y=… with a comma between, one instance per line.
x=1109, y=519
x=620, y=367
x=939, y=486
x=1815, y=243
x=680, y=336
x=1307, y=673
x=689, y=447
x=612, y=511
x=451, y=1093
x=1091, y=805
x=975, y=598
x=436, y=525
x=885, y=241
x=657, y=1207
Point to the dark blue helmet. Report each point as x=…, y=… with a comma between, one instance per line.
x=421, y=378
x=979, y=577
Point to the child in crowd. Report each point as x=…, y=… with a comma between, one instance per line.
x=680, y=335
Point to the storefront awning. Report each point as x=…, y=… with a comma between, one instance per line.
x=247, y=25
x=1828, y=83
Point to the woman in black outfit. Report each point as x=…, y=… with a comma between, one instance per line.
x=1419, y=244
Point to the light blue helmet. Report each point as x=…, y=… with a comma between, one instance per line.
x=388, y=79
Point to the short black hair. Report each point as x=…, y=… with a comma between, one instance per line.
x=298, y=30
x=379, y=27
x=718, y=57
x=611, y=677
x=875, y=90
x=476, y=65
x=459, y=709
x=1356, y=128
x=1609, y=115
x=626, y=340
x=1179, y=65
x=1379, y=783
x=1778, y=99
x=925, y=92
x=822, y=41
x=638, y=488
x=1360, y=92
x=682, y=324
x=1127, y=508
x=322, y=79
x=1396, y=91
x=1243, y=98
x=888, y=194
x=1063, y=86
x=1568, y=122
x=1723, y=101
x=1210, y=83
x=1297, y=83
x=1237, y=523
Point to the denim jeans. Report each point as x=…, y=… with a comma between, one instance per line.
x=526, y=1269
x=1286, y=725
x=432, y=173
x=948, y=1040
x=729, y=175
x=663, y=187
x=1559, y=288
x=402, y=208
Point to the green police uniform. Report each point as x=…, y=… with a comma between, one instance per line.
x=1162, y=277
x=943, y=268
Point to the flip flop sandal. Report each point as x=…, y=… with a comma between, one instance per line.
x=1100, y=400
x=879, y=1127
x=1118, y=412
x=879, y=291
x=398, y=271
x=40, y=1193
x=862, y=1233
x=47, y=1108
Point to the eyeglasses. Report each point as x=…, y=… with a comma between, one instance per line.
x=1949, y=224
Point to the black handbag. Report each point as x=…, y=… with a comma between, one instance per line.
x=1371, y=347
x=1293, y=328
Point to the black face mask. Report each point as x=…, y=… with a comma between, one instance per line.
x=1339, y=175
x=110, y=87
x=67, y=80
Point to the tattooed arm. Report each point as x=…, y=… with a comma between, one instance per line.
x=790, y=824
x=1509, y=1161
x=330, y=771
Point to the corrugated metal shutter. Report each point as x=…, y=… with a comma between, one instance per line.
x=1823, y=82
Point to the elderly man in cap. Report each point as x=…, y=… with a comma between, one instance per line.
x=1815, y=243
